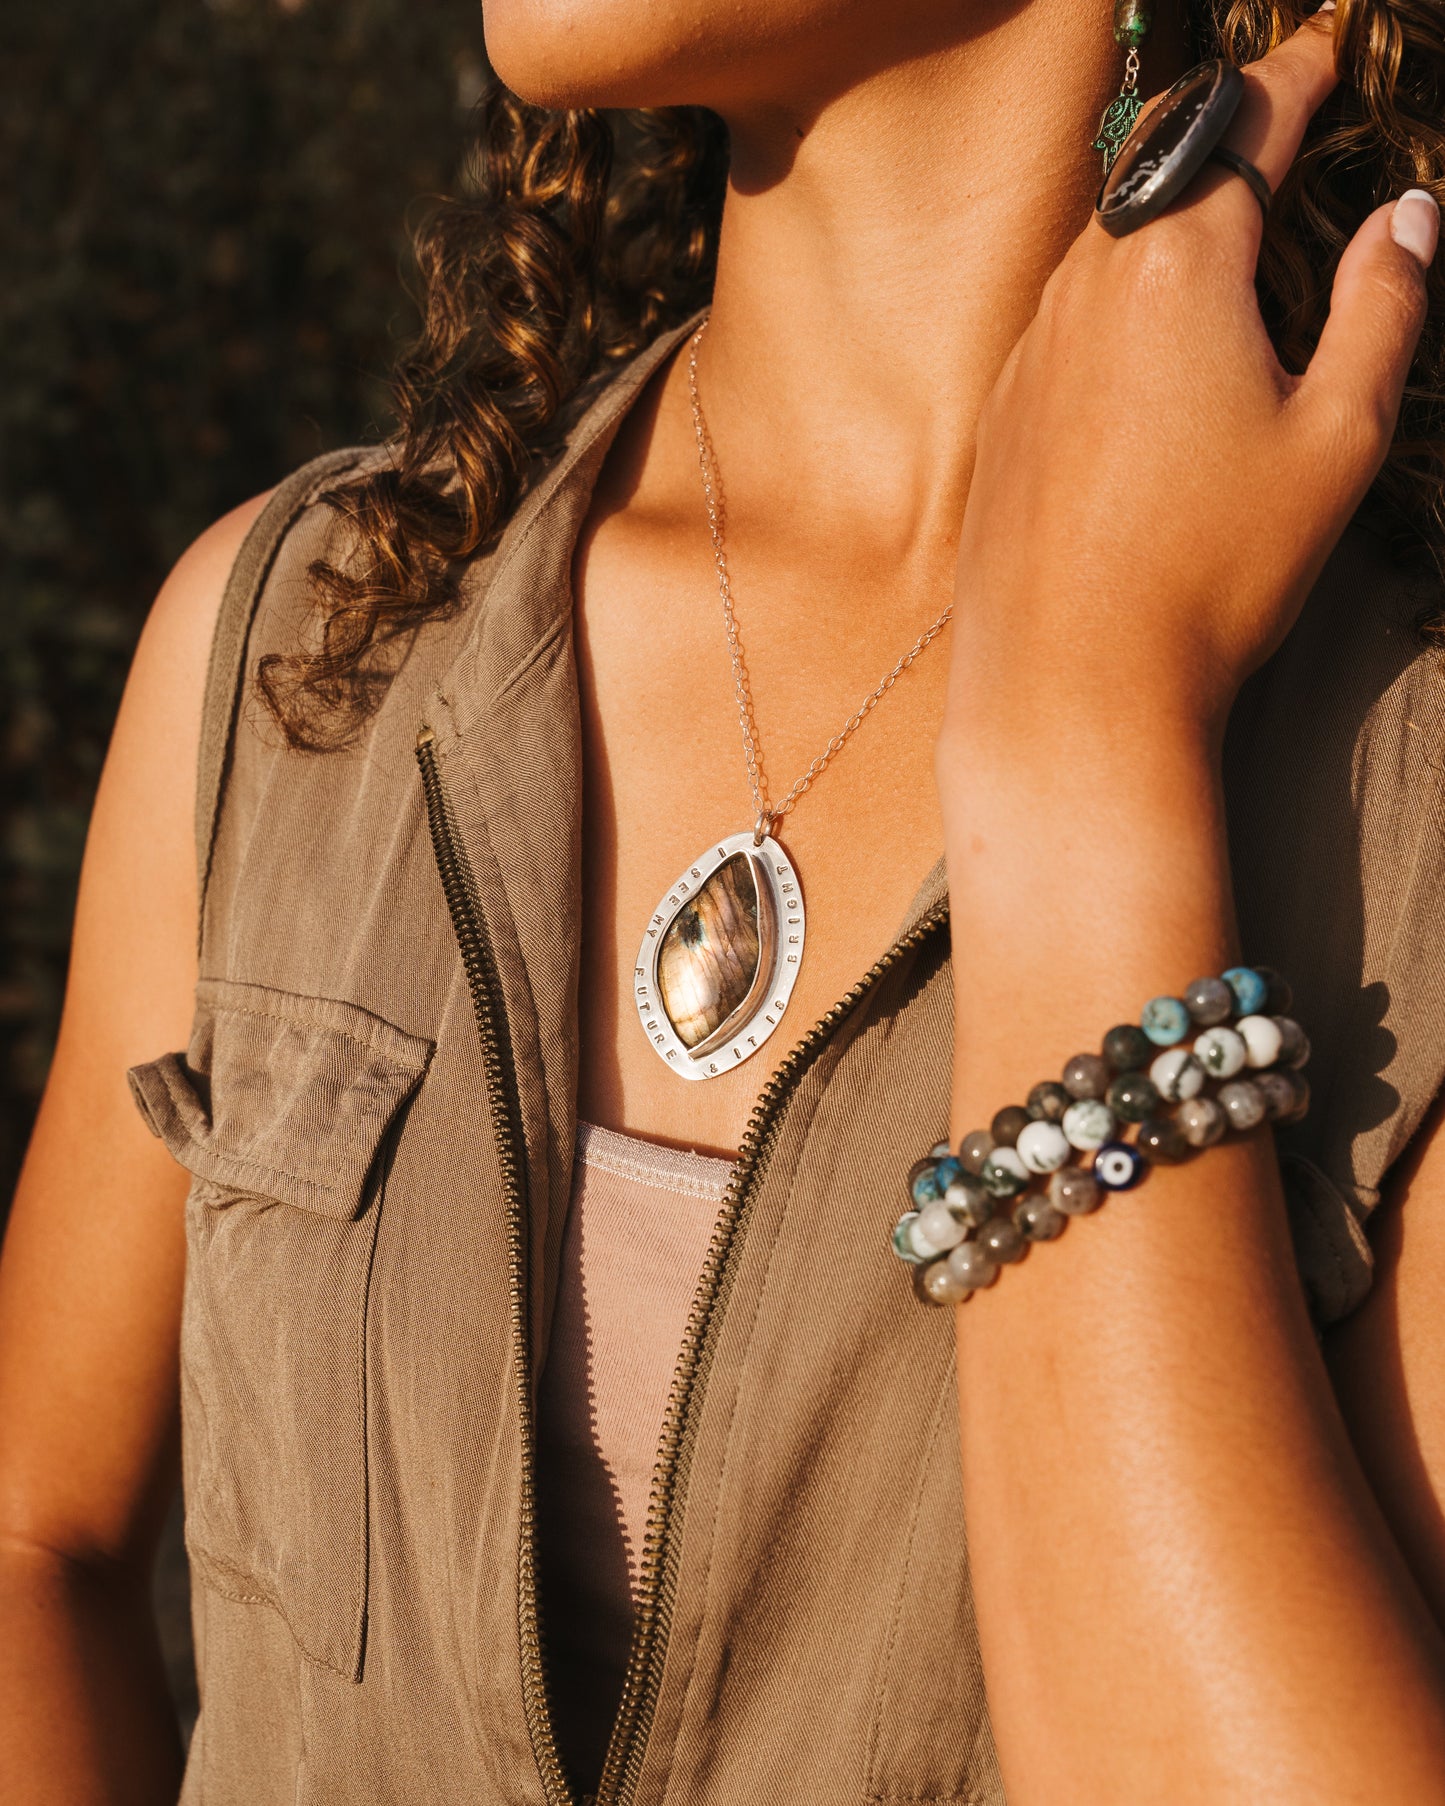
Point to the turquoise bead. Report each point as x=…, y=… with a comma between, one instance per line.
x=947, y=1170
x=1165, y=1020
x=1251, y=992
x=925, y=1188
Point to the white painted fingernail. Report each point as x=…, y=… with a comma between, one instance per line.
x=1415, y=225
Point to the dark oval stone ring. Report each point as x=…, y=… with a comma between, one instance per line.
x=1162, y=156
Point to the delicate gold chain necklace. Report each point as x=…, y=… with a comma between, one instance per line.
x=722, y=950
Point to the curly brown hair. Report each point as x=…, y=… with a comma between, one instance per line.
x=588, y=233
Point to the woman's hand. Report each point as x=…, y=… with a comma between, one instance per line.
x=1154, y=494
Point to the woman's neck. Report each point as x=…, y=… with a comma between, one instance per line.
x=883, y=246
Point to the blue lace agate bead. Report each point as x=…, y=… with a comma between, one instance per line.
x=1165, y=1020
x=1251, y=992
x=1118, y=1167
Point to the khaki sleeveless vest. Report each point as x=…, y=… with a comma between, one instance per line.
x=377, y=1104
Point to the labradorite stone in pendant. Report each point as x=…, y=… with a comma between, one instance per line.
x=709, y=955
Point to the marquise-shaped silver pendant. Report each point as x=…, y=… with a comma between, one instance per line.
x=720, y=957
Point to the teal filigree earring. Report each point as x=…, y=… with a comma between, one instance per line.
x=1132, y=19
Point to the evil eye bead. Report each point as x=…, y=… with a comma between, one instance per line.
x=974, y=1149
x=903, y=1239
x=1165, y=1021
x=1242, y=1102
x=1003, y=1241
x=1086, y=1075
x=1039, y=1220
x=1127, y=1048
x=1006, y=1126
x=1088, y=1124
x=1043, y=1147
x=972, y=1266
x=1251, y=991
x=1262, y=1039
x=1133, y=1097
x=923, y=1186
x=1118, y=1167
x=1075, y=1191
x=1004, y=1174
x=1202, y=1121
x=1209, y=1000
x=967, y=1197
x=941, y=1285
x=940, y=1226
x=1221, y=1052
x=1048, y=1101
x=1177, y=1075
x=1294, y=1048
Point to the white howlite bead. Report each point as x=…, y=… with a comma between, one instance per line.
x=1177, y=1075
x=1262, y=1039
x=938, y=1224
x=1221, y=1052
x=1043, y=1147
x=1088, y=1124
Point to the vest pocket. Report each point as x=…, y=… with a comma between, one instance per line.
x=282, y=1109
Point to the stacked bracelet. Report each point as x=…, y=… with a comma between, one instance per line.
x=1037, y=1164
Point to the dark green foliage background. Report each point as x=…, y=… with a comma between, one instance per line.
x=201, y=283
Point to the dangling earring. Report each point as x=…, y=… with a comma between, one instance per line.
x=1132, y=19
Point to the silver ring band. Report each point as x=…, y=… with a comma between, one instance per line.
x=1241, y=166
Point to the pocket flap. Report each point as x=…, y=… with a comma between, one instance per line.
x=280, y=1094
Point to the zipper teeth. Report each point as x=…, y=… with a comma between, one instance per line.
x=504, y=1104
x=658, y=1579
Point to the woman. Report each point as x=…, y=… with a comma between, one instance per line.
x=430, y=1325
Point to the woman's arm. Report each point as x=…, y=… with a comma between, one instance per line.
x=1185, y=1588
x=90, y=1281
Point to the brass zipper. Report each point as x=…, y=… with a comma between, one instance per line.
x=499, y=1067
x=657, y=1582
x=658, y=1579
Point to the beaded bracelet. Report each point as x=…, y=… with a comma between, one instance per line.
x=977, y=1210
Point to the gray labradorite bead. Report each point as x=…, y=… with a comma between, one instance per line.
x=1277, y=1090
x=1177, y=1075
x=1221, y=1052
x=941, y=1285
x=1040, y=1220
x=1202, y=1121
x=1127, y=1048
x=1165, y=1021
x=1242, y=1102
x=1003, y=1241
x=974, y=1149
x=1004, y=1173
x=1006, y=1126
x=972, y=1266
x=969, y=1198
x=1279, y=999
x=1086, y=1075
x=1048, y=1101
x=1075, y=1191
x=1294, y=1043
x=1132, y=1097
x=1161, y=1138
x=1209, y=1000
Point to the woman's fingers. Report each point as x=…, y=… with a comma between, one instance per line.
x=1282, y=92
x=1377, y=307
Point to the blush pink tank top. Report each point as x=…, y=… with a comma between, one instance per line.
x=636, y=1236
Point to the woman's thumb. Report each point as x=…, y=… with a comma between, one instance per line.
x=1377, y=307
